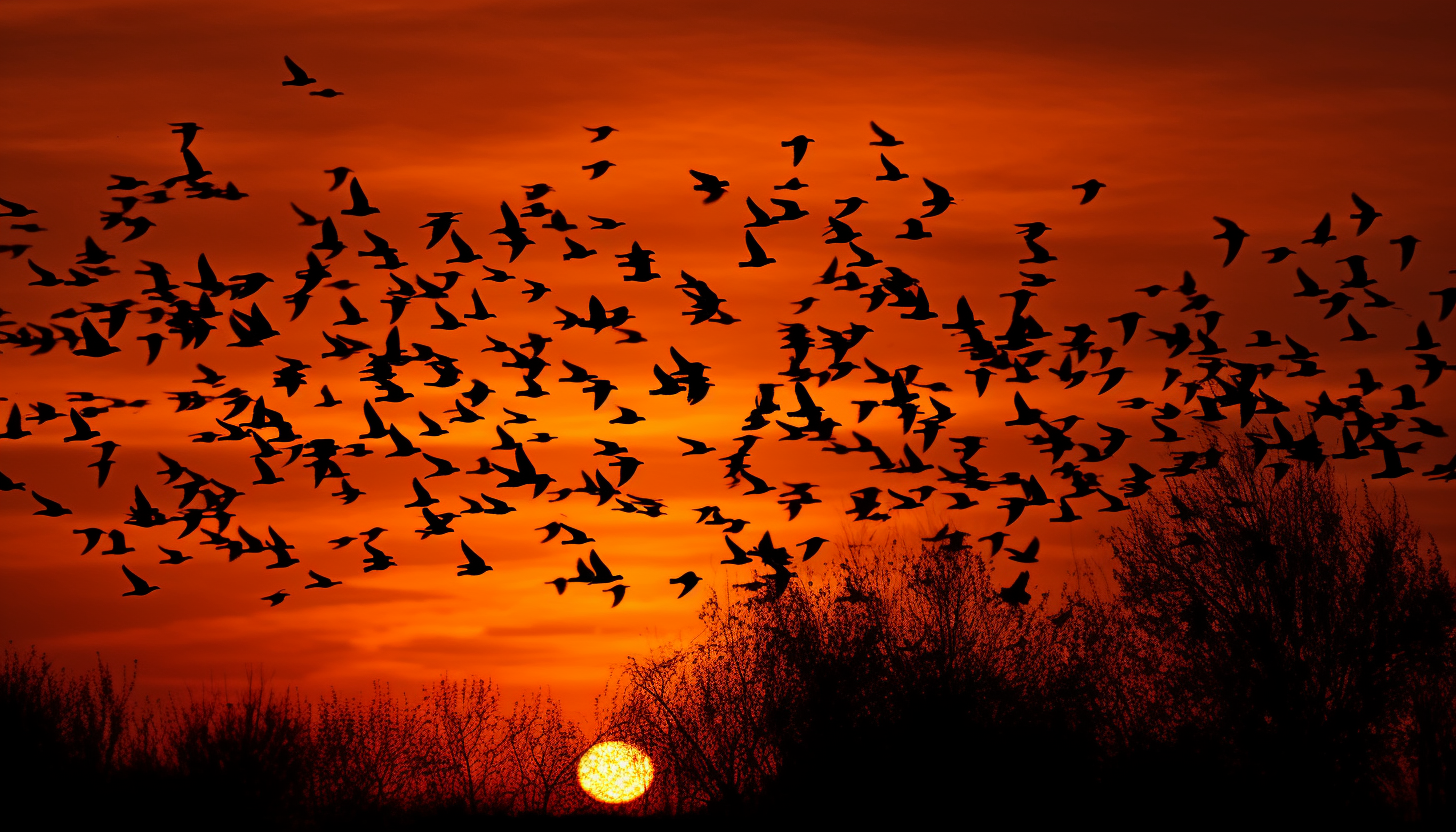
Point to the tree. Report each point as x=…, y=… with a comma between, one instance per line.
x=1300, y=635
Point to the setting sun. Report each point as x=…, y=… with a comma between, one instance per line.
x=614, y=772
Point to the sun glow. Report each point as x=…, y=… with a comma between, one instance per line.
x=614, y=772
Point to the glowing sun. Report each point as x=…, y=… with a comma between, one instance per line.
x=614, y=772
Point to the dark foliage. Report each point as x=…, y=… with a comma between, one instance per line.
x=1272, y=648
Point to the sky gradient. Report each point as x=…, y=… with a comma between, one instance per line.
x=1269, y=117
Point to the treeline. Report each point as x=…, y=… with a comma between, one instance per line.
x=80, y=746
x=1267, y=648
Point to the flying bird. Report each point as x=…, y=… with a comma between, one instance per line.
x=300, y=78
x=1366, y=214
x=361, y=206
x=688, y=580
x=1089, y=190
x=1234, y=235
x=885, y=140
x=138, y=586
x=710, y=185
x=800, y=144
x=598, y=168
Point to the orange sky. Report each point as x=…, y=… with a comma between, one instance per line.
x=1268, y=117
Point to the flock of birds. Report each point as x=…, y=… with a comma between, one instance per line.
x=184, y=315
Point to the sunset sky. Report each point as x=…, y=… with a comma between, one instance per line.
x=1268, y=116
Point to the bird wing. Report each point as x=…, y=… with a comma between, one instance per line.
x=298, y=73
x=470, y=556
x=523, y=463
x=755, y=251
x=194, y=167
x=461, y=246
x=136, y=582
x=599, y=567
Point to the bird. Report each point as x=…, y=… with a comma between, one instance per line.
x=885, y=139
x=474, y=564
x=340, y=174
x=1027, y=555
x=914, y=230
x=598, y=168
x=15, y=209
x=1089, y=190
x=139, y=586
x=892, y=173
x=710, y=185
x=361, y=206
x=1366, y=214
x=129, y=183
x=49, y=508
x=276, y=598
x=320, y=582
x=800, y=144
x=940, y=200
x=1407, y=249
x=1234, y=235
x=601, y=132
x=756, y=256
x=694, y=446
x=1322, y=233
x=300, y=78
x=1016, y=594
x=617, y=592
x=688, y=580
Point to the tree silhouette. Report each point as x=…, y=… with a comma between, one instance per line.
x=1299, y=631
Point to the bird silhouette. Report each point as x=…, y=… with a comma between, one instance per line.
x=1235, y=237
x=1322, y=233
x=800, y=144
x=299, y=79
x=885, y=139
x=320, y=582
x=138, y=585
x=474, y=564
x=1016, y=594
x=688, y=580
x=892, y=173
x=1407, y=249
x=710, y=185
x=1366, y=214
x=598, y=168
x=1089, y=190
x=756, y=256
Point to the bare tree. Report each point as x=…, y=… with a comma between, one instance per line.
x=1294, y=627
